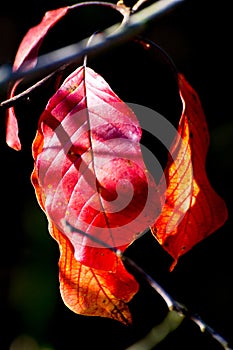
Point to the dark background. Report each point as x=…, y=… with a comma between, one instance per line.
x=197, y=36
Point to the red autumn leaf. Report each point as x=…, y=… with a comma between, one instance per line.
x=26, y=58
x=27, y=53
x=89, y=171
x=192, y=209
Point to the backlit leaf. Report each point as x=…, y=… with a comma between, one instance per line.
x=93, y=292
x=192, y=210
x=26, y=58
x=89, y=171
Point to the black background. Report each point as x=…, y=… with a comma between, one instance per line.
x=197, y=36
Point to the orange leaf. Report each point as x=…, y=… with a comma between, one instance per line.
x=93, y=292
x=88, y=291
x=192, y=209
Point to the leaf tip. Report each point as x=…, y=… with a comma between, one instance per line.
x=171, y=268
x=16, y=145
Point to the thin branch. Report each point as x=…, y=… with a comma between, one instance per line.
x=138, y=4
x=172, y=304
x=125, y=11
x=26, y=93
x=103, y=41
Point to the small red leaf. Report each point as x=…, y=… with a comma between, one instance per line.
x=192, y=210
x=26, y=58
x=27, y=53
x=12, y=130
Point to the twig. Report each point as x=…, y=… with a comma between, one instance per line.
x=107, y=39
x=138, y=4
x=25, y=94
x=172, y=304
x=125, y=11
